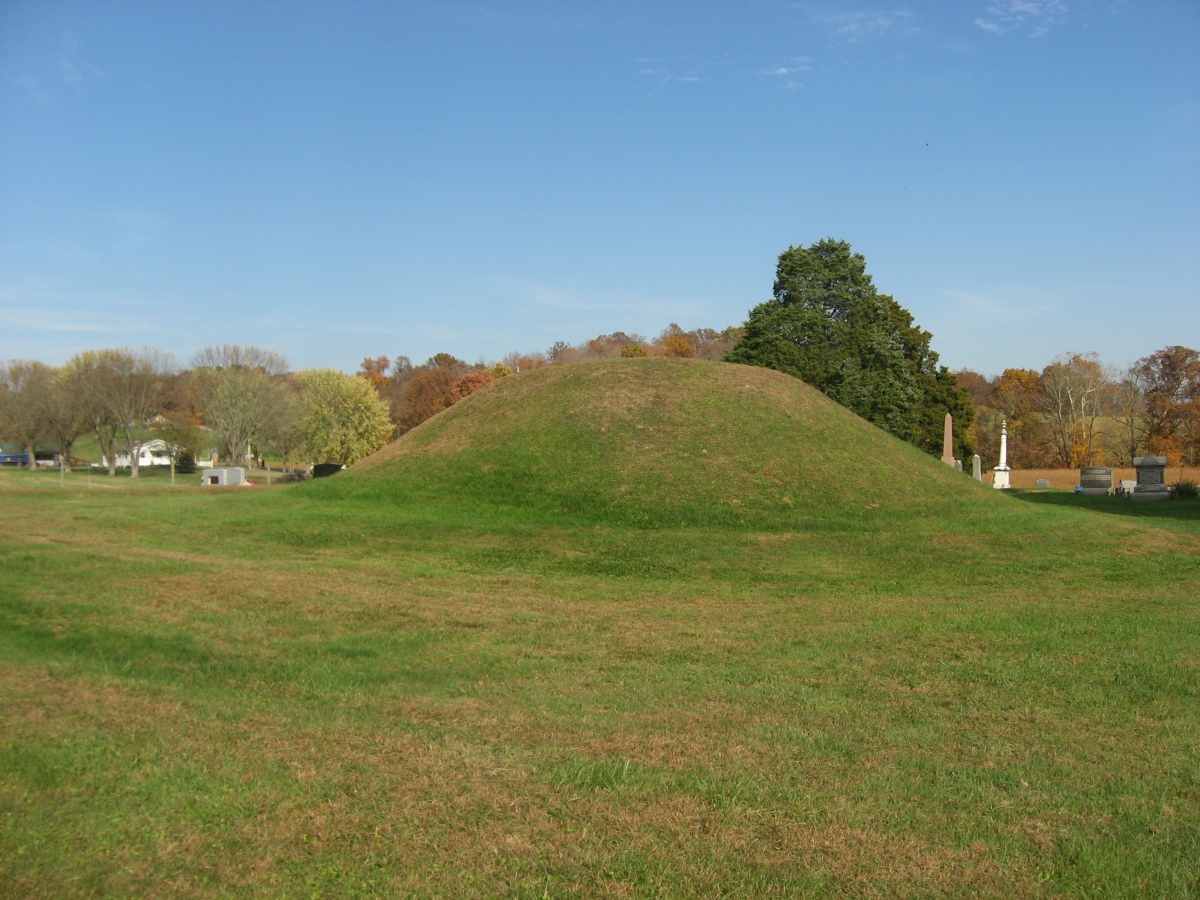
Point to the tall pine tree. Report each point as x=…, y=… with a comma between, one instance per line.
x=827, y=325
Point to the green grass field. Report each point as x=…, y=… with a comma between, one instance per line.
x=667, y=629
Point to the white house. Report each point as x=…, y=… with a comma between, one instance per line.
x=152, y=453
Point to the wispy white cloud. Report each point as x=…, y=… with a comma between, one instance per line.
x=1033, y=17
x=23, y=295
x=73, y=69
x=66, y=67
x=31, y=305
x=32, y=318
x=855, y=25
x=793, y=66
x=680, y=70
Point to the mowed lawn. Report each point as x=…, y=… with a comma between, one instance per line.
x=266, y=692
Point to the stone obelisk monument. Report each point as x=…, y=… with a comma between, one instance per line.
x=1000, y=478
x=948, y=441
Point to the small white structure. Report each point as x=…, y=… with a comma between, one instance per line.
x=223, y=477
x=1000, y=478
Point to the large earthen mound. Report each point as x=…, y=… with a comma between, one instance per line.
x=655, y=440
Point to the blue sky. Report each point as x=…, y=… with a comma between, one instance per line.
x=340, y=180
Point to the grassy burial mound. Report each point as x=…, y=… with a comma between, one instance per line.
x=664, y=441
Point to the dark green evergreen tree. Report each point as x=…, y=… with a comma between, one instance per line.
x=829, y=326
x=939, y=389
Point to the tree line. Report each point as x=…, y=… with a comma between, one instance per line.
x=237, y=400
x=826, y=323
x=242, y=401
x=1080, y=411
x=415, y=393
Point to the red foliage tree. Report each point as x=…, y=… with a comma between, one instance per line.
x=469, y=384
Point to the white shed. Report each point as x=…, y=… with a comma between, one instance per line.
x=224, y=477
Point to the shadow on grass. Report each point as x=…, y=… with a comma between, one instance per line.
x=1179, y=510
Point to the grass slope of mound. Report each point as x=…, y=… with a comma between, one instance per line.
x=656, y=442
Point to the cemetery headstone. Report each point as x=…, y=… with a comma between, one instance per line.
x=948, y=441
x=1042, y=483
x=1151, y=478
x=1096, y=479
x=977, y=468
x=1000, y=474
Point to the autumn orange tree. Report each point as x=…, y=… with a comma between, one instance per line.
x=426, y=394
x=1170, y=380
x=469, y=384
x=375, y=371
x=673, y=341
x=1015, y=395
x=611, y=346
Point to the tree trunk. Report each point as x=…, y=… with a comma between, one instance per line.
x=134, y=448
x=32, y=459
x=108, y=448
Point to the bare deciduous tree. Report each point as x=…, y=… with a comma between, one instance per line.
x=85, y=372
x=1126, y=402
x=240, y=394
x=1073, y=390
x=24, y=403
x=243, y=356
x=124, y=390
x=67, y=415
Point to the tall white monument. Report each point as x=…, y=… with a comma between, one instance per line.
x=1000, y=478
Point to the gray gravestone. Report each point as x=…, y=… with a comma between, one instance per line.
x=1151, y=478
x=976, y=467
x=1042, y=483
x=1096, y=479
